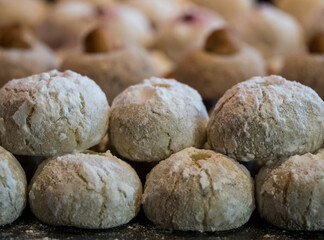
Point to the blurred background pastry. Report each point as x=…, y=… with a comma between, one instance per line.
x=113, y=65
x=273, y=32
x=187, y=31
x=224, y=62
x=22, y=55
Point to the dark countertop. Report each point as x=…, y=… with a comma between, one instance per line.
x=28, y=227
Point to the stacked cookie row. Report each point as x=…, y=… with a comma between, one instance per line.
x=119, y=44
x=60, y=115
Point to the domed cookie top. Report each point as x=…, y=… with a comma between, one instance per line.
x=290, y=192
x=152, y=120
x=51, y=114
x=85, y=190
x=199, y=190
x=266, y=119
x=13, y=188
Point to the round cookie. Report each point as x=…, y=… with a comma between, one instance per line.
x=159, y=12
x=290, y=192
x=187, y=31
x=222, y=63
x=127, y=24
x=112, y=69
x=199, y=190
x=13, y=188
x=86, y=191
x=52, y=113
x=266, y=118
x=66, y=23
x=300, y=9
x=22, y=55
x=273, y=32
x=150, y=121
x=229, y=9
x=29, y=13
x=307, y=69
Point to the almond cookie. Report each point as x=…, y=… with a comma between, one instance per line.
x=52, y=113
x=113, y=66
x=199, y=190
x=266, y=118
x=223, y=62
x=13, y=188
x=290, y=192
x=150, y=121
x=22, y=55
x=86, y=191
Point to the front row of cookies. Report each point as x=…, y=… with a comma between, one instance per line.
x=60, y=115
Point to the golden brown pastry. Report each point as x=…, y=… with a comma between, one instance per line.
x=222, y=63
x=114, y=67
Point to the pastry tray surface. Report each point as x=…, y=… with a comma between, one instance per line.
x=28, y=227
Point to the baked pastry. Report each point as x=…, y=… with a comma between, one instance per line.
x=300, y=9
x=273, y=32
x=13, y=188
x=86, y=191
x=28, y=12
x=161, y=62
x=314, y=24
x=307, y=67
x=222, y=63
x=290, y=192
x=21, y=54
x=114, y=67
x=150, y=121
x=199, y=190
x=66, y=24
x=52, y=113
x=187, y=31
x=127, y=24
x=159, y=12
x=267, y=118
x=229, y=9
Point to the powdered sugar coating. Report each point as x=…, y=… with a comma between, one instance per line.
x=51, y=114
x=266, y=119
x=85, y=190
x=199, y=190
x=290, y=192
x=152, y=120
x=13, y=188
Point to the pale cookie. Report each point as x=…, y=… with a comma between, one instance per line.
x=150, y=121
x=290, y=192
x=266, y=118
x=52, y=113
x=199, y=190
x=13, y=188
x=86, y=191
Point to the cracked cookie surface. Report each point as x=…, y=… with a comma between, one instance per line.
x=85, y=190
x=52, y=113
x=290, y=192
x=199, y=190
x=152, y=120
x=13, y=188
x=266, y=119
